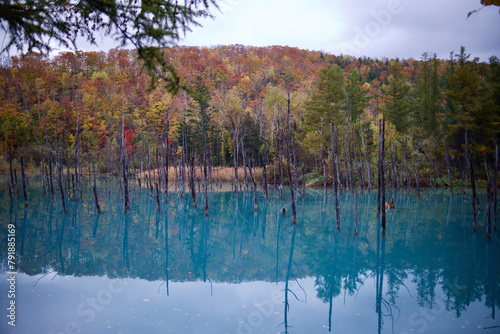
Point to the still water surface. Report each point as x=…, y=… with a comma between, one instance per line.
x=245, y=271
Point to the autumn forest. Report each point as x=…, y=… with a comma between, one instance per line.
x=258, y=116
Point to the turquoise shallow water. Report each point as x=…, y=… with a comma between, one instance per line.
x=241, y=271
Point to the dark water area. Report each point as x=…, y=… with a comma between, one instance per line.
x=244, y=271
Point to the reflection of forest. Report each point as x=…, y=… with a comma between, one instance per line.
x=430, y=241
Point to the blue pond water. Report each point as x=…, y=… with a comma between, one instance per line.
x=245, y=271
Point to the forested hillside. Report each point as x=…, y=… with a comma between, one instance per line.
x=304, y=115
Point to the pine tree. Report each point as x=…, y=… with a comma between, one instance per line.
x=464, y=94
x=202, y=125
x=325, y=106
x=428, y=93
x=396, y=96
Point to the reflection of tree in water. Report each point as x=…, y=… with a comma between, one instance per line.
x=287, y=279
x=395, y=277
x=434, y=248
x=461, y=282
x=383, y=307
x=491, y=289
x=329, y=285
x=289, y=276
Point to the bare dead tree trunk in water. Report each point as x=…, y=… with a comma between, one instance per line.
x=68, y=173
x=395, y=181
x=255, y=207
x=346, y=169
x=59, y=179
x=324, y=171
x=44, y=180
x=193, y=186
x=88, y=166
x=78, y=174
x=358, y=161
x=350, y=148
x=339, y=183
x=235, y=162
x=488, y=211
x=253, y=167
x=474, y=196
x=344, y=180
x=382, y=162
x=218, y=147
x=109, y=163
x=16, y=182
x=178, y=176
x=381, y=176
x=162, y=164
x=280, y=157
x=49, y=162
x=436, y=169
x=447, y=155
x=379, y=172
x=244, y=157
x=295, y=172
x=132, y=162
x=185, y=158
x=291, y=181
x=495, y=185
x=205, y=184
x=167, y=161
x=408, y=179
x=486, y=170
x=417, y=172
x=367, y=159
x=150, y=180
x=399, y=178
x=157, y=170
x=355, y=212
x=98, y=207
x=181, y=174
x=125, y=184
x=174, y=161
x=11, y=193
x=303, y=182
x=205, y=170
x=73, y=186
x=123, y=156
x=59, y=171
x=158, y=197
x=13, y=185
x=335, y=172
x=49, y=157
x=469, y=161
x=24, y=183
x=264, y=172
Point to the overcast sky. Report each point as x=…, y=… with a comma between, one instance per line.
x=374, y=28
